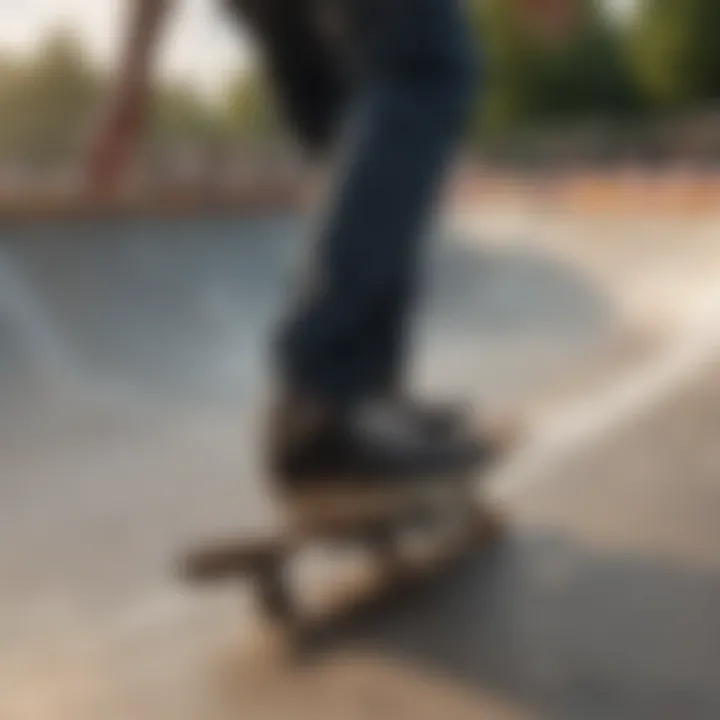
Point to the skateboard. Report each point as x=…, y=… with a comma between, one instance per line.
x=407, y=537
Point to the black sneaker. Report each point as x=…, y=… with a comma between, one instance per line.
x=381, y=443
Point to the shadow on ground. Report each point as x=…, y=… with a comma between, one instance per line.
x=562, y=630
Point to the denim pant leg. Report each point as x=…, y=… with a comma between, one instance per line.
x=342, y=340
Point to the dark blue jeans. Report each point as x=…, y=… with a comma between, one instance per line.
x=346, y=337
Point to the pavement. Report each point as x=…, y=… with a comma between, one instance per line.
x=132, y=362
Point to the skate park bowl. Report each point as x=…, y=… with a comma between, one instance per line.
x=133, y=366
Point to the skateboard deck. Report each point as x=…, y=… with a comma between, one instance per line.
x=410, y=537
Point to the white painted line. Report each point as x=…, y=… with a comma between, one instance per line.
x=584, y=423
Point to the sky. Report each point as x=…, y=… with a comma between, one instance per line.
x=200, y=45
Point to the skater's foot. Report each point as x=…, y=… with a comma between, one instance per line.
x=380, y=442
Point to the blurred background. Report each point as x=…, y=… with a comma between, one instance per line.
x=575, y=283
x=635, y=85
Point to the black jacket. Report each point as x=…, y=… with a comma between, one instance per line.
x=313, y=76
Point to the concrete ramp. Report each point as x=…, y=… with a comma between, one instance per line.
x=132, y=359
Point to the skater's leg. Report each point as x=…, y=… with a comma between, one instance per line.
x=341, y=342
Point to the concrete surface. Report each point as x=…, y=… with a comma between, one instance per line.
x=131, y=364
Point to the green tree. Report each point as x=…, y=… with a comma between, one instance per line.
x=180, y=116
x=250, y=108
x=585, y=76
x=675, y=51
x=47, y=102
